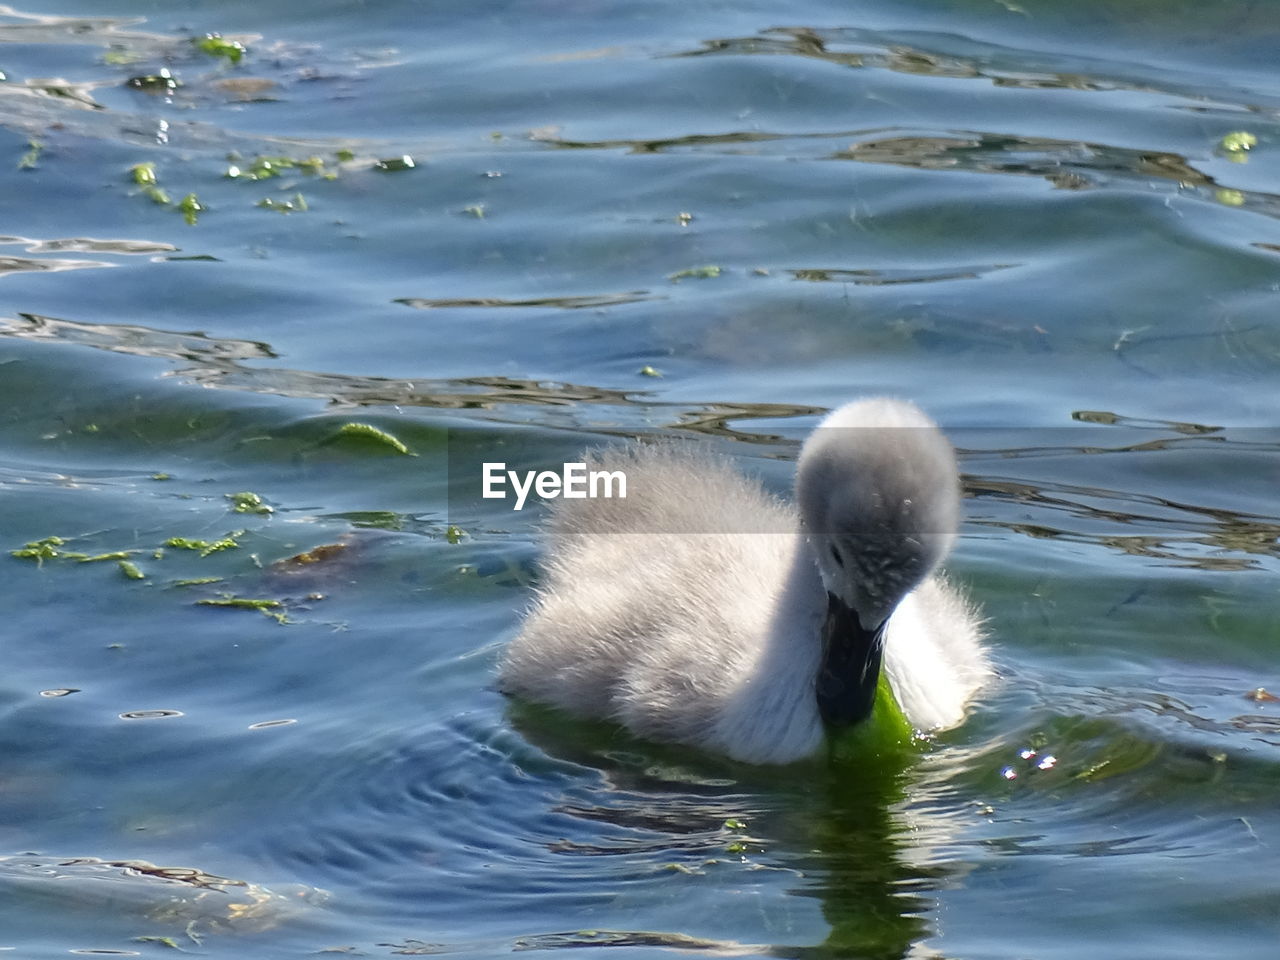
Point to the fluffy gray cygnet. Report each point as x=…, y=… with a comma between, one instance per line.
x=702, y=610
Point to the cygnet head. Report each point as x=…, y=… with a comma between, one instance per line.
x=879, y=493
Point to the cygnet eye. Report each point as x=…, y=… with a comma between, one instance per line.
x=835, y=555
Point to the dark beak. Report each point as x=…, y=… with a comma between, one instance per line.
x=850, y=668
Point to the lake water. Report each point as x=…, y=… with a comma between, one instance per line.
x=710, y=220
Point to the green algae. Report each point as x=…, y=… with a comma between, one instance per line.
x=270, y=166
x=39, y=550
x=144, y=174
x=206, y=547
x=295, y=204
x=216, y=45
x=30, y=159
x=191, y=208
x=266, y=606
x=695, y=273
x=50, y=548
x=1238, y=141
x=1235, y=146
x=886, y=732
x=162, y=81
x=395, y=164
x=248, y=502
x=121, y=57
x=246, y=603
x=367, y=431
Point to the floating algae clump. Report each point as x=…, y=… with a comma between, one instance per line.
x=368, y=431
x=216, y=45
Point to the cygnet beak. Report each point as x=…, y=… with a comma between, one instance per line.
x=851, y=656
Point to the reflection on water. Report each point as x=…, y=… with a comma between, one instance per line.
x=1169, y=528
x=185, y=898
x=563, y=303
x=135, y=340
x=956, y=57
x=880, y=278
x=838, y=834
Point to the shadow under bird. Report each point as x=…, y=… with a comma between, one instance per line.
x=702, y=610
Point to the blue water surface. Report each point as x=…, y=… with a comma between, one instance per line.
x=707, y=220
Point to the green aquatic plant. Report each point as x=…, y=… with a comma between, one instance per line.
x=182, y=543
x=268, y=166
x=30, y=159
x=887, y=732
x=206, y=547
x=1235, y=146
x=50, y=548
x=296, y=204
x=395, y=164
x=249, y=502
x=248, y=603
x=39, y=550
x=216, y=45
x=682, y=868
x=191, y=209
x=368, y=431
x=1238, y=141
x=113, y=555
x=267, y=607
x=697, y=273
x=161, y=81
x=373, y=519
x=454, y=534
x=144, y=174
x=121, y=57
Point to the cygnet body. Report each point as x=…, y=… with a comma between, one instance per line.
x=702, y=610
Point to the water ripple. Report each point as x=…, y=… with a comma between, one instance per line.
x=957, y=57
